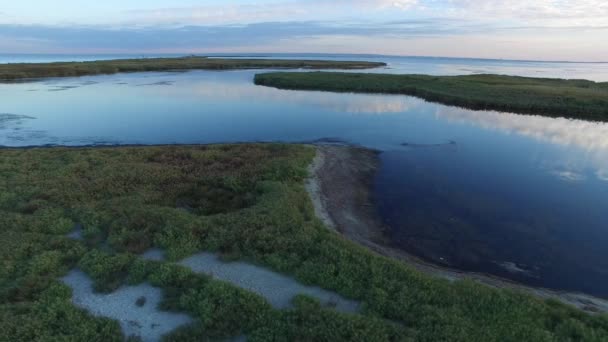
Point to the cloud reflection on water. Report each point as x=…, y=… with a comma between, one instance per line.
x=338, y=102
x=589, y=137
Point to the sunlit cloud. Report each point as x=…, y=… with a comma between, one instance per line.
x=536, y=10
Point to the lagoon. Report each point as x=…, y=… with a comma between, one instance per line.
x=519, y=196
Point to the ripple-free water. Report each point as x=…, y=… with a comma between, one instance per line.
x=524, y=197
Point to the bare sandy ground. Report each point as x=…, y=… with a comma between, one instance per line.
x=145, y=321
x=150, y=324
x=340, y=186
x=277, y=289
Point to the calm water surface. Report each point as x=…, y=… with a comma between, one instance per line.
x=523, y=197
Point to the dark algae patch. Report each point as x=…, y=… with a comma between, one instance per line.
x=17, y=71
x=141, y=301
x=246, y=202
x=579, y=99
x=8, y=120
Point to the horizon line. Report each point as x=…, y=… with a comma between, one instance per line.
x=270, y=54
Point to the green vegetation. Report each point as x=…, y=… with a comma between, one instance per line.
x=16, y=71
x=247, y=202
x=578, y=99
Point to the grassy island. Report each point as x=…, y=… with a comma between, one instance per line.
x=246, y=202
x=17, y=71
x=579, y=99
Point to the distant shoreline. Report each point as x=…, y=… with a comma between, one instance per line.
x=22, y=71
x=307, y=54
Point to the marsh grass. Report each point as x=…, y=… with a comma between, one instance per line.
x=128, y=199
x=18, y=71
x=579, y=99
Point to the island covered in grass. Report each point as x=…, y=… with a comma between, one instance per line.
x=579, y=99
x=17, y=71
x=72, y=214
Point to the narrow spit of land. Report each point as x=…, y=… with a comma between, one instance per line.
x=578, y=99
x=17, y=71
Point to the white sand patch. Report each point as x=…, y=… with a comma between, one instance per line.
x=145, y=321
x=314, y=190
x=278, y=289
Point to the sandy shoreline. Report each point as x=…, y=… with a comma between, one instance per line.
x=340, y=187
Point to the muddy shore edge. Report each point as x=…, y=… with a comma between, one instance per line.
x=340, y=188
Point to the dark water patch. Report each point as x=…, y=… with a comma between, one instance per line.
x=18, y=134
x=160, y=83
x=324, y=141
x=21, y=135
x=8, y=120
x=15, y=130
x=62, y=88
x=9, y=116
x=465, y=219
x=415, y=145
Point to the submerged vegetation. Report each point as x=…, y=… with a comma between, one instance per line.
x=578, y=99
x=246, y=202
x=16, y=71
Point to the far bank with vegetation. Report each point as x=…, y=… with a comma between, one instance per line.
x=578, y=99
x=17, y=71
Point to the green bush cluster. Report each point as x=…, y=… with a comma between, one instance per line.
x=128, y=199
x=579, y=99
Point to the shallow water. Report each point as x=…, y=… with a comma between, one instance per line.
x=519, y=196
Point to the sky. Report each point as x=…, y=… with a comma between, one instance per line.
x=573, y=30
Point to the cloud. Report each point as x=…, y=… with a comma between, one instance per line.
x=518, y=29
x=553, y=12
x=428, y=37
x=215, y=36
x=261, y=12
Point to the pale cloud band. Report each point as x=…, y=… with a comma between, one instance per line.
x=541, y=29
